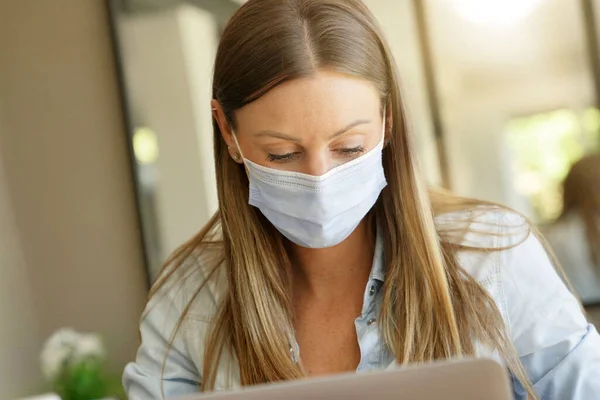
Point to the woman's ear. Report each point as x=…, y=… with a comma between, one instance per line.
x=226, y=132
x=219, y=116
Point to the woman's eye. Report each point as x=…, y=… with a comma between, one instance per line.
x=282, y=157
x=351, y=151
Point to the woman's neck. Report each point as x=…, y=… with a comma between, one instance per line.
x=335, y=270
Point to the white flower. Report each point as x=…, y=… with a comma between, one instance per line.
x=53, y=360
x=63, y=337
x=66, y=346
x=88, y=346
x=57, y=351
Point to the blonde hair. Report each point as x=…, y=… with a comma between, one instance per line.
x=581, y=194
x=432, y=309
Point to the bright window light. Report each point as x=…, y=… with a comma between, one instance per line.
x=495, y=12
x=145, y=145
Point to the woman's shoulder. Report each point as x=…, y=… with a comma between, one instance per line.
x=194, y=285
x=509, y=258
x=483, y=228
x=178, y=315
x=486, y=237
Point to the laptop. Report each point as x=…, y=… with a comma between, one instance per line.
x=472, y=379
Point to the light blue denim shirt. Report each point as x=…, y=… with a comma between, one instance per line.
x=558, y=348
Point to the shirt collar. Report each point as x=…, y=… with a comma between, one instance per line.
x=378, y=269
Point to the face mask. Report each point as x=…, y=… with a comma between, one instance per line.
x=318, y=211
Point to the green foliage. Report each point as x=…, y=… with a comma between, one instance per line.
x=82, y=381
x=87, y=380
x=546, y=145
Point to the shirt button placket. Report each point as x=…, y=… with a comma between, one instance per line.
x=372, y=290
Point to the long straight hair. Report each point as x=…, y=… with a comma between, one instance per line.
x=432, y=309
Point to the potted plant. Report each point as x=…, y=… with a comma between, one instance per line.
x=74, y=364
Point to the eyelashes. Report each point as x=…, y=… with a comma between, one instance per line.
x=344, y=152
x=282, y=157
x=351, y=151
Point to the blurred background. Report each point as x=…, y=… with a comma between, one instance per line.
x=106, y=142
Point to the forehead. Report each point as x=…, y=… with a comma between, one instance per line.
x=325, y=98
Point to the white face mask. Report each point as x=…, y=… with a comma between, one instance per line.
x=318, y=211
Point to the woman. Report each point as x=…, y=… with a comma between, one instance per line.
x=575, y=236
x=327, y=253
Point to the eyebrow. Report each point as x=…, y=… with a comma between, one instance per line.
x=283, y=136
